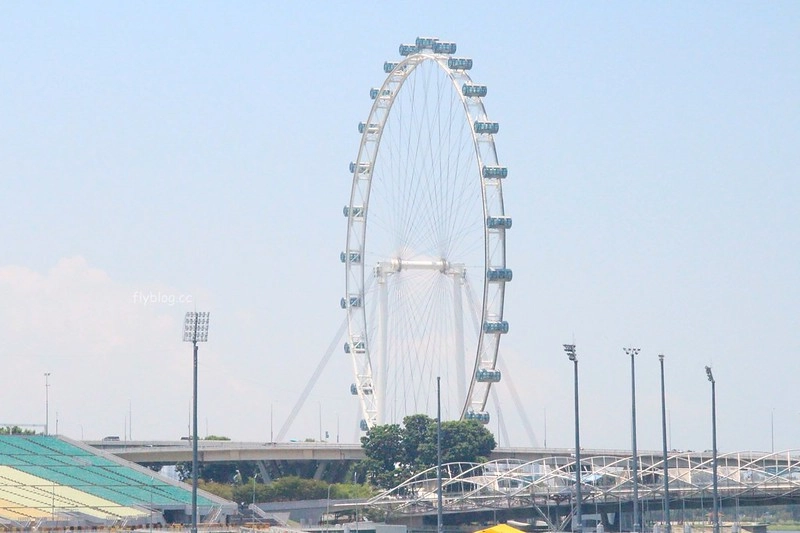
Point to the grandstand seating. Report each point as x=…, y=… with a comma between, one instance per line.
x=47, y=478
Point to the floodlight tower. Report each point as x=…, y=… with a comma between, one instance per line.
x=195, y=329
x=573, y=356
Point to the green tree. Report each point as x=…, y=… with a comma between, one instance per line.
x=417, y=431
x=221, y=472
x=462, y=441
x=223, y=490
x=284, y=489
x=16, y=430
x=395, y=453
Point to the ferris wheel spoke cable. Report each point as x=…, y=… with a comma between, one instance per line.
x=423, y=364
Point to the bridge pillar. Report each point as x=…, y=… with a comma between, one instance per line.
x=605, y=521
x=320, y=470
x=263, y=471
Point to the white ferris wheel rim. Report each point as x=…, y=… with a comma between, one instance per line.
x=357, y=212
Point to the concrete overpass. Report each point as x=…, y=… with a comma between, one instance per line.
x=211, y=451
x=215, y=451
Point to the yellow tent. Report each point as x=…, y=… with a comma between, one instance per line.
x=500, y=528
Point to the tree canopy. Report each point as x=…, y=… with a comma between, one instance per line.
x=285, y=489
x=16, y=430
x=395, y=453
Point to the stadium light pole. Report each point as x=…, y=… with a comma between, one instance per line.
x=664, y=445
x=634, y=456
x=195, y=329
x=573, y=356
x=46, y=403
x=715, y=516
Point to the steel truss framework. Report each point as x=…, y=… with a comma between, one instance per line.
x=548, y=482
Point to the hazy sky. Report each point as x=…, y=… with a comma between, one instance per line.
x=199, y=151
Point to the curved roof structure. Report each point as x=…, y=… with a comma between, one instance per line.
x=510, y=483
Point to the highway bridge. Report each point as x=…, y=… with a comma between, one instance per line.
x=171, y=452
x=271, y=457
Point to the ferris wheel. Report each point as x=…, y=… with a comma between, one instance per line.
x=425, y=256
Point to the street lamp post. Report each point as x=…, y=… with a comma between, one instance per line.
x=772, y=430
x=254, y=490
x=46, y=403
x=195, y=329
x=634, y=459
x=715, y=516
x=328, y=505
x=664, y=445
x=573, y=356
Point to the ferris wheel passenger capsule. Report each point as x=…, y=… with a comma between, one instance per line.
x=375, y=92
x=499, y=274
x=357, y=211
x=408, y=49
x=478, y=416
x=354, y=257
x=486, y=127
x=495, y=327
x=389, y=66
x=475, y=91
x=352, y=301
x=369, y=128
x=498, y=222
x=487, y=375
x=459, y=63
x=426, y=42
x=494, y=172
x=362, y=167
x=358, y=346
x=444, y=48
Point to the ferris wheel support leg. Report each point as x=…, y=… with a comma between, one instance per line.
x=458, y=317
x=311, y=382
x=383, y=357
x=502, y=430
x=523, y=414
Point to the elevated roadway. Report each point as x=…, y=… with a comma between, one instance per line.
x=211, y=451
x=216, y=451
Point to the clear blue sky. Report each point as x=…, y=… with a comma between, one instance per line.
x=200, y=149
